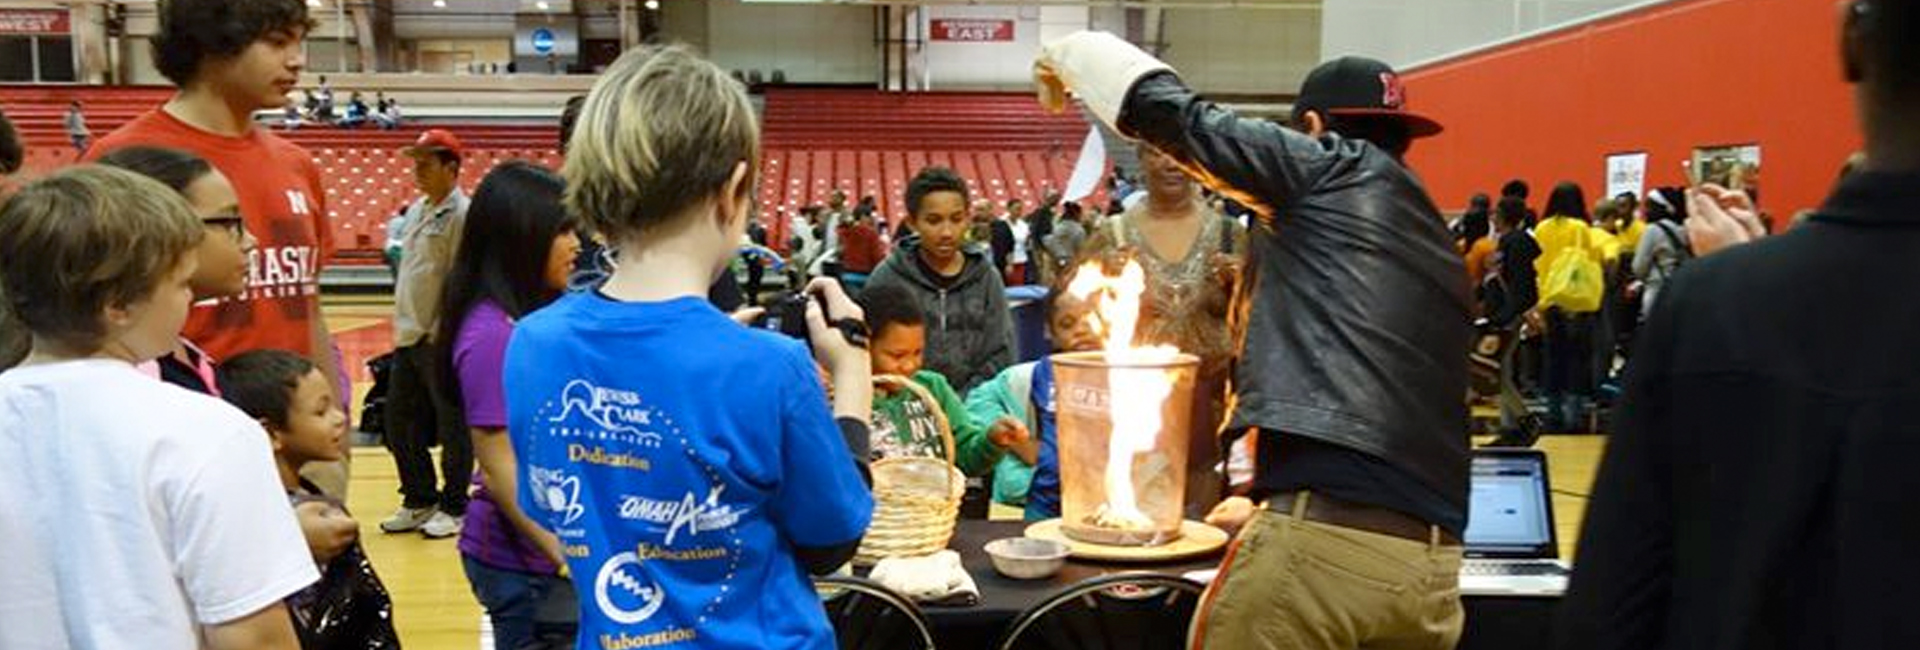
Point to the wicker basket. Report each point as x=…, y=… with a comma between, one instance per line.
x=916, y=500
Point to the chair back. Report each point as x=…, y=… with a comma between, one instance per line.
x=1122, y=611
x=868, y=616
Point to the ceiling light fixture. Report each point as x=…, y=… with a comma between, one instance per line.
x=653, y=5
x=542, y=5
x=439, y=4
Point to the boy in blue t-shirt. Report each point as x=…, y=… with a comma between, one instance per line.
x=689, y=465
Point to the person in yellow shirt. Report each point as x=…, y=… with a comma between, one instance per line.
x=1569, y=381
x=1634, y=226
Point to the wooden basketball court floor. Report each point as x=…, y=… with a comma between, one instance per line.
x=435, y=610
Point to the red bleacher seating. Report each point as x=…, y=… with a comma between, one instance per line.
x=366, y=179
x=815, y=140
x=871, y=143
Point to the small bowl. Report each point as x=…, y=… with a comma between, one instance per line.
x=1027, y=558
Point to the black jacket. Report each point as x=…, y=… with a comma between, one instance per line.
x=1512, y=287
x=1002, y=242
x=1354, y=313
x=1758, y=491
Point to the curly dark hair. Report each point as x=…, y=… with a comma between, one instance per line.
x=890, y=304
x=192, y=31
x=934, y=179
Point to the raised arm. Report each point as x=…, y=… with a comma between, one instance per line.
x=1256, y=162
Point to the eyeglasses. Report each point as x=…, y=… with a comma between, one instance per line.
x=228, y=222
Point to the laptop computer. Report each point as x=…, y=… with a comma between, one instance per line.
x=1511, y=546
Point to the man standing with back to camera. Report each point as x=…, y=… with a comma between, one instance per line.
x=1758, y=490
x=1353, y=327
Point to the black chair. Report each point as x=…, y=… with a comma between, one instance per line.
x=869, y=616
x=1123, y=611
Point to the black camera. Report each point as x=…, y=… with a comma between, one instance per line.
x=787, y=314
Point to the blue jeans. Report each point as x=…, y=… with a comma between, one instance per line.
x=511, y=599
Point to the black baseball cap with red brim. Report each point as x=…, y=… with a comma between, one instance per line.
x=1353, y=86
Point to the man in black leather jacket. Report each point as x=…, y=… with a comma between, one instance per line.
x=1353, y=322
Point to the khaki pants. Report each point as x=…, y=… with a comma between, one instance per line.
x=1303, y=585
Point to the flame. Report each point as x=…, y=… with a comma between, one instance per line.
x=1135, y=395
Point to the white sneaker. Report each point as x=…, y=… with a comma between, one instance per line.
x=440, y=525
x=406, y=519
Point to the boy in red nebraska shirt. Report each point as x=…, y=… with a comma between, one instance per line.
x=230, y=58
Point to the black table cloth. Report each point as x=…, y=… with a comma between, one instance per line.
x=1492, y=622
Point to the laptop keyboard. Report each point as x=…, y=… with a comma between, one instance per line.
x=1512, y=569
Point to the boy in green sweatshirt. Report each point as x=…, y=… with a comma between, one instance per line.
x=902, y=424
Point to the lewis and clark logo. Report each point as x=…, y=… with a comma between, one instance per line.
x=612, y=413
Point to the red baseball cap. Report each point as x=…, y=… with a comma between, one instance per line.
x=433, y=140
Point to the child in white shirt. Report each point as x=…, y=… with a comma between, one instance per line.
x=137, y=514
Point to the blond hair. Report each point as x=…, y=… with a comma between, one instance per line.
x=661, y=131
x=88, y=238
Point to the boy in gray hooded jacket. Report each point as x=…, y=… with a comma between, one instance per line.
x=969, y=329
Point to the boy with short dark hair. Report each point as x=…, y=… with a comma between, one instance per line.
x=292, y=399
x=138, y=514
x=230, y=58
x=902, y=424
x=970, y=330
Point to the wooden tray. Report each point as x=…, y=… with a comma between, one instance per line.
x=1196, y=539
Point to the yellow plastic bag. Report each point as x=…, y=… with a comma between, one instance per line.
x=1575, y=281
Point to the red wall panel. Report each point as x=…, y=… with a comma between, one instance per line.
x=1663, y=80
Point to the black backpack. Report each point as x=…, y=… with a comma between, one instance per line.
x=373, y=409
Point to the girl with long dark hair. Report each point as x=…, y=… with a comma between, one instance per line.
x=517, y=249
x=1567, y=230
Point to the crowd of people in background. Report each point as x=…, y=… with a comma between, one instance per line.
x=1560, y=295
x=541, y=321
x=319, y=107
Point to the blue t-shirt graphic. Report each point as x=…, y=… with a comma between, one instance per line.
x=680, y=458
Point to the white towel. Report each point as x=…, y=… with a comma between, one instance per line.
x=936, y=579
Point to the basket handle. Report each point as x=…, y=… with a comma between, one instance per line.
x=898, y=382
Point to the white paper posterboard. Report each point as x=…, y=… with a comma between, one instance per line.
x=1627, y=174
x=1089, y=168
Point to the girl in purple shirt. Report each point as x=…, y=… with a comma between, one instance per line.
x=513, y=565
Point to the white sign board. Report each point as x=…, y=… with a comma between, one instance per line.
x=1627, y=174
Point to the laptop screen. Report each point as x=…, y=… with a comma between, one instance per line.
x=1510, y=512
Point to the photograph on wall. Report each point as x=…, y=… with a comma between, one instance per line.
x=1735, y=167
